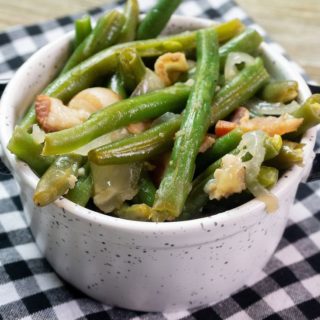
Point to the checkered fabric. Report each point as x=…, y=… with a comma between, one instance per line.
x=287, y=288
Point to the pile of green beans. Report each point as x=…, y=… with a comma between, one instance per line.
x=176, y=121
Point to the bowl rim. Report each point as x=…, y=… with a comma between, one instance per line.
x=230, y=216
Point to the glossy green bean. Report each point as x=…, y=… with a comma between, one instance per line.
x=116, y=84
x=26, y=149
x=131, y=68
x=291, y=154
x=268, y=176
x=247, y=41
x=239, y=90
x=138, y=212
x=310, y=112
x=105, y=62
x=195, y=122
x=82, y=29
x=221, y=146
x=139, y=147
x=131, y=13
x=273, y=146
x=82, y=191
x=119, y=114
x=197, y=199
x=147, y=190
x=103, y=36
x=156, y=19
x=57, y=179
x=282, y=91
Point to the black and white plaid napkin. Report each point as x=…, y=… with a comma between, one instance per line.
x=287, y=288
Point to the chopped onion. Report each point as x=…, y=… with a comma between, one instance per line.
x=72, y=181
x=149, y=83
x=263, y=108
x=114, y=184
x=38, y=135
x=102, y=140
x=253, y=143
x=234, y=59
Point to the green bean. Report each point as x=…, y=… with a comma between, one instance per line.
x=147, y=190
x=229, y=97
x=82, y=191
x=139, y=147
x=131, y=68
x=131, y=13
x=195, y=122
x=291, y=153
x=82, y=29
x=116, y=84
x=26, y=149
x=156, y=19
x=105, y=62
x=310, y=112
x=283, y=91
x=139, y=212
x=222, y=146
x=197, y=198
x=239, y=90
x=57, y=179
x=119, y=114
x=247, y=41
x=268, y=176
x=273, y=147
x=103, y=36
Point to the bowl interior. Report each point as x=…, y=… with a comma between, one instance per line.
x=42, y=67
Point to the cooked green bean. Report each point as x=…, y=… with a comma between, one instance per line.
x=105, y=62
x=283, y=91
x=57, y=180
x=139, y=212
x=291, y=153
x=247, y=41
x=82, y=29
x=131, y=13
x=131, y=68
x=268, y=176
x=239, y=90
x=26, y=149
x=139, y=147
x=310, y=112
x=198, y=198
x=147, y=190
x=195, y=122
x=119, y=114
x=103, y=36
x=116, y=84
x=156, y=19
x=273, y=146
x=221, y=146
x=229, y=97
x=82, y=191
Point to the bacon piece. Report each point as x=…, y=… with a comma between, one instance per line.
x=52, y=115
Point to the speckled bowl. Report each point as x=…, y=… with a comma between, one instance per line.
x=140, y=265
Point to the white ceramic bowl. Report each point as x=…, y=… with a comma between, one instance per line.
x=143, y=265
